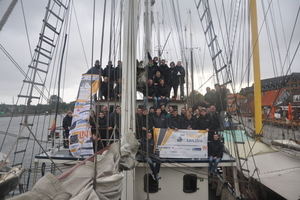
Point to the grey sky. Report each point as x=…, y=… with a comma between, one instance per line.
x=14, y=40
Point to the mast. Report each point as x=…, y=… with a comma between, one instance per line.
x=128, y=99
x=158, y=38
x=192, y=59
x=256, y=68
x=148, y=30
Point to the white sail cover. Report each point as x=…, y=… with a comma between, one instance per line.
x=77, y=183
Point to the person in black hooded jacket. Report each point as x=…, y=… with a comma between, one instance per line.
x=188, y=122
x=67, y=121
x=172, y=79
x=163, y=93
x=174, y=120
x=102, y=125
x=215, y=153
x=204, y=121
x=158, y=120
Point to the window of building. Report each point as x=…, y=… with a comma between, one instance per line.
x=153, y=184
x=190, y=183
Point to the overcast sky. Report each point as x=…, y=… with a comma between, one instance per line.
x=14, y=39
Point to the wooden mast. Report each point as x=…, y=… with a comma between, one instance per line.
x=256, y=69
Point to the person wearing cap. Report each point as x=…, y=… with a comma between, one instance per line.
x=96, y=69
x=149, y=93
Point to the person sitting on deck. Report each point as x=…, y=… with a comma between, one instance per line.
x=215, y=153
x=147, y=145
x=151, y=94
x=163, y=93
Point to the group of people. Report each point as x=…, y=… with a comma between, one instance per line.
x=160, y=77
x=111, y=85
x=199, y=119
x=161, y=80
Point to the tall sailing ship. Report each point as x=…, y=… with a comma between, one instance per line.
x=248, y=169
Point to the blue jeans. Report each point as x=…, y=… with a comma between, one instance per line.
x=154, y=102
x=166, y=101
x=155, y=169
x=213, y=164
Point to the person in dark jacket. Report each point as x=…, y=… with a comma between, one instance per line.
x=96, y=69
x=188, y=122
x=67, y=122
x=147, y=146
x=118, y=90
x=221, y=103
x=139, y=123
x=157, y=78
x=158, y=120
x=174, y=121
x=163, y=110
x=181, y=76
x=163, y=68
x=163, y=93
x=215, y=153
x=109, y=71
x=210, y=97
x=115, y=122
x=118, y=70
x=172, y=79
x=151, y=69
x=104, y=88
x=92, y=122
x=151, y=95
x=204, y=121
x=215, y=122
x=102, y=125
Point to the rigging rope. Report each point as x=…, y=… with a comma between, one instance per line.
x=7, y=13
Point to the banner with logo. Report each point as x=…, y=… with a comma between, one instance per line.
x=80, y=133
x=181, y=144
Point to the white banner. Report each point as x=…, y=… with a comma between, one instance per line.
x=80, y=133
x=181, y=144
